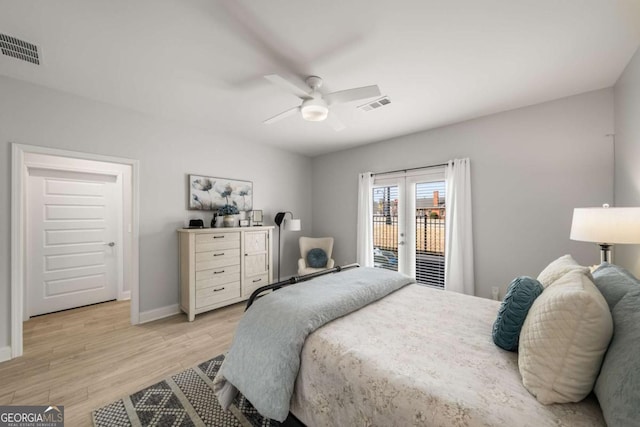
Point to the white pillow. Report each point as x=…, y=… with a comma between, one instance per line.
x=559, y=268
x=564, y=339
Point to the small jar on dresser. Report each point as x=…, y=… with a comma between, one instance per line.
x=222, y=266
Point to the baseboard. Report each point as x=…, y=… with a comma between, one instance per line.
x=124, y=295
x=5, y=353
x=159, y=313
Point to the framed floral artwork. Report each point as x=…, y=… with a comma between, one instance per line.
x=213, y=194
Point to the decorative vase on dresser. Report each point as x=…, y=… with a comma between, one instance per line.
x=222, y=266
x=229, y=220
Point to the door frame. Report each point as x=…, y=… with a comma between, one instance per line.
x=18, y=232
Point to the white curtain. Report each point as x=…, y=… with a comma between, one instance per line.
x=364, y=247
x=458, y=268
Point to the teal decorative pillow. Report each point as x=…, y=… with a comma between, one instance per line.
x=521, y=294
x=614, y=282
x=618, y=385
x=317, y=258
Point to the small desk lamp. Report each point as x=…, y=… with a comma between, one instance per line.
x=290, y=225
x=606, y=226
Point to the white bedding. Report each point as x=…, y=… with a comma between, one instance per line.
x=420, y=357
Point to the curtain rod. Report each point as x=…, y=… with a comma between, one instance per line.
x=410, y=169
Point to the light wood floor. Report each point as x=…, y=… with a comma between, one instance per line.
x=91, y=356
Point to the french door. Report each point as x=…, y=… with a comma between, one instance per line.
x=409, y=224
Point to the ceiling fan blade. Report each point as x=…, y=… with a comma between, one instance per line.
x=248, y=26
x=350, y=95
x=335, y=123
x=282, y=115
x=298, y=88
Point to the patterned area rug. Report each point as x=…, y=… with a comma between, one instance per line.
x=183, y=400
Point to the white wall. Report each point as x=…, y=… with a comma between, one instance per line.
x=530, y=168
x=627, y=174
x=167, y=151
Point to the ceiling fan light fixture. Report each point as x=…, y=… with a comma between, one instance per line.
x=314, y=110
x=315, y=104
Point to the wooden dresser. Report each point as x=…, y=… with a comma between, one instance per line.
x=222, y=266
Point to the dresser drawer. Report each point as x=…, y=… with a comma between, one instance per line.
x=233, y=236
x=233, y=270
x=218, y=280
x=216, y=259
x=217, y=242
x=253, y=283
x=216, y=294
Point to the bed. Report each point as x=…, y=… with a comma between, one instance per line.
x=418, y=356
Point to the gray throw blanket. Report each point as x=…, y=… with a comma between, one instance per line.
x=264, y=358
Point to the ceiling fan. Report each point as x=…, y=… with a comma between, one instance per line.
x=315, y=105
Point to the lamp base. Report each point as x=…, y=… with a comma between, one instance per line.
x=605, y=253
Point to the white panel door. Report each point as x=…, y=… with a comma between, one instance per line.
x=72, y=239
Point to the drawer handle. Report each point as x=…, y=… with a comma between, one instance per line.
x=218, y=237
x=257, y=280
x=218, y=272
x=219, y=289
x=218, y=254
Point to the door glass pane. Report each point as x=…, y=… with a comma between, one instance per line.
x=385, y=227
x=430, y=228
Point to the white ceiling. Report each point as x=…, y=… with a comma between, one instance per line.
x=201, y=62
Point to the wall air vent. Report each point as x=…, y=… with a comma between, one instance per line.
x=19, y=49
x=380, y=102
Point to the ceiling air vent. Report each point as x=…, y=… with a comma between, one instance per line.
x=380, y=102
x=19, y=49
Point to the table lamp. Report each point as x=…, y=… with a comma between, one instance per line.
x=606, y=226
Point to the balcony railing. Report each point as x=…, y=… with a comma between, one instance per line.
x=429, y=253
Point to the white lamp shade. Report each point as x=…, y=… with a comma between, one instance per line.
x=606, y=225
x=292, y=225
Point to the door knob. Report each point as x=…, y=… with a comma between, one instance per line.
x=112, y=244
